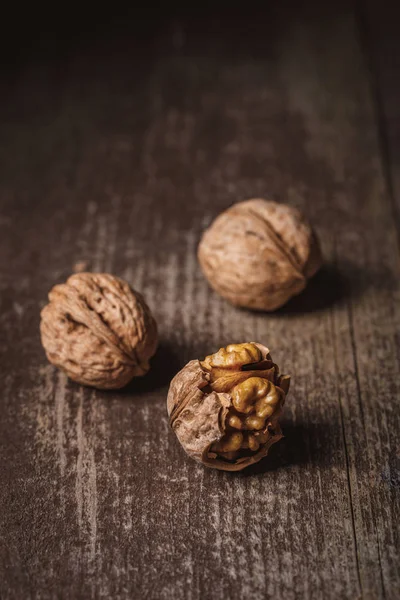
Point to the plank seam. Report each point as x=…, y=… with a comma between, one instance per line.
x=358, y=386
x=352, y=512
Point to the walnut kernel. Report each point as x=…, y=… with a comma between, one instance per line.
x=225, y=409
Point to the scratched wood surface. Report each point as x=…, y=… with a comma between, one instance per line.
x=117, y=150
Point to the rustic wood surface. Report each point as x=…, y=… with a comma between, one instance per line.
x=117, y=149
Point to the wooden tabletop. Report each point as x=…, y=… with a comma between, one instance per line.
x=120, y=142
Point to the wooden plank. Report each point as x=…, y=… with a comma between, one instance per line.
x=124, y=153
x=381, y=51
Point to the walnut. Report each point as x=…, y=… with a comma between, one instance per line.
x=258, y=254
x=225, y=409
x=98, y=330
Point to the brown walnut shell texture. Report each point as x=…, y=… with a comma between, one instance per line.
x=259, y=253
x=98, y=330
x=197, y=413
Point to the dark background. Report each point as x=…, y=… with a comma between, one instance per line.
x=122, y=135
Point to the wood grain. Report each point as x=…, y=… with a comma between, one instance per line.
x=117, y=153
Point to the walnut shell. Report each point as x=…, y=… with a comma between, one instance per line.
x=98, y=330
x=258, y=254
x=225, y=409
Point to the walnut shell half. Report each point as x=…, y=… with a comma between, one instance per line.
x=98, y=330
x=225, y=409
x=259, y=253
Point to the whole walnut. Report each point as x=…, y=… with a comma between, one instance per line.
x=258, y=254
x=225, y=409
x=98, y=330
